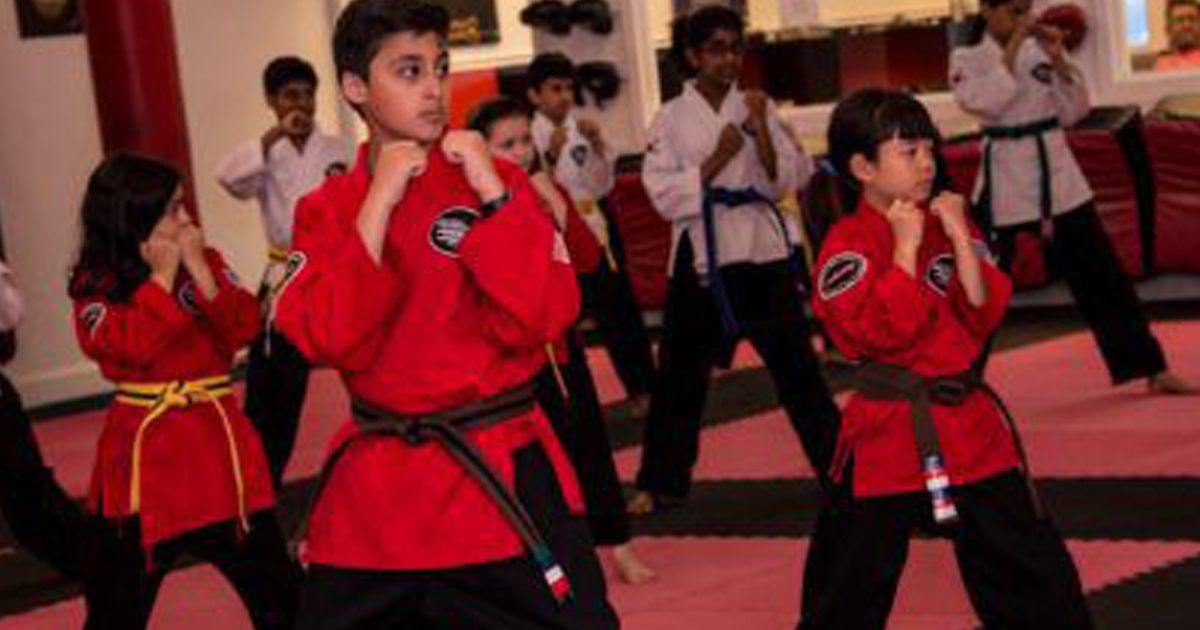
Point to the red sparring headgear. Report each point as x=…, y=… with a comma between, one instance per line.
x=1069, y=18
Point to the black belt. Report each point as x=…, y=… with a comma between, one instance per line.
x=447, y=429
x=1037, y=130
x=886, y=382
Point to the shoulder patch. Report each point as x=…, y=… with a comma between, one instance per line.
x=841, y=273
x=449, y=228
x=1043, y=73
x=232, y=277
x=92, y=316
x=335, y=168
x=291, y=268
x=940, y=273
x=579, y=154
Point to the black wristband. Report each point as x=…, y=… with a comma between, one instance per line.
x=488, y=208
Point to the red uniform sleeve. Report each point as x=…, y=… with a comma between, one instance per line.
x=521, y=265
x=981, y=321
x=334, y=300
x=133, y=334
x=233, y=311
x=869, y=306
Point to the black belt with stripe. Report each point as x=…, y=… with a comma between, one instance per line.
x=1037, y=130
x=886, y=382
x=446, y=429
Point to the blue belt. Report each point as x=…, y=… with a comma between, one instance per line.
x=731, y=198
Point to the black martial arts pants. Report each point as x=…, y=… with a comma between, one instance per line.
x=608, y=299
x=1014, y=565
x=121, y=583
x=1081, y=254
x=276, y=385
x=504, y=595
x=766, y=301
x=38, y=511
x=579, y=423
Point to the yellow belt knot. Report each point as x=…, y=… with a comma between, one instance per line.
x=160, y=398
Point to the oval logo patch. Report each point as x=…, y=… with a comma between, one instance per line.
x=449, y=228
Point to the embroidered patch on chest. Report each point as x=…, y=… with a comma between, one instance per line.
x=1044, y=73
x=448, y=229
x=940, y=273
x=841, y=273
x=579, y=154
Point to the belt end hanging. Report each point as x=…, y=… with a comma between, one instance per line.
x=554, y=575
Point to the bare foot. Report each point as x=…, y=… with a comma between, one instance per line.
x=631, y=569
x=1169, y=383
x=641, y=504
x=639, y=406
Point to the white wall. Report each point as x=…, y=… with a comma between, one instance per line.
x=49, y=142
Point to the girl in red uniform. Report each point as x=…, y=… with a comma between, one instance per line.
x=906, y=288
x=179, y=468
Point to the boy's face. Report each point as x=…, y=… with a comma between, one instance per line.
x=1183, y=27
x=510, y=139
x=903, y=170
x=298, y=97
x=405, y=95
x=1002, y=21
x=720, y=58
x=554, y=98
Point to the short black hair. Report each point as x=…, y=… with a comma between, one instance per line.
x=549, y=65
x=492, y=111
x=868, y=118
x=284, y=70
x=689, y=32
x=365, y=24
x=706, y=21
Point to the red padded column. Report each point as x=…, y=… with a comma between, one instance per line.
x=135, y=73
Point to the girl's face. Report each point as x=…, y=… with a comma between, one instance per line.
x=719, y=59
x=510, y=139
x=903, y=170
x=174, y=219
x=1003, y=20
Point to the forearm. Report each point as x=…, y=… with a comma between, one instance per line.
x=966, y=261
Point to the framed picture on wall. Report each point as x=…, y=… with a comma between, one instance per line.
x=472, y=22
x=47, y=18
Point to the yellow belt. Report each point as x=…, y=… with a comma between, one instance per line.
x=277, y=255
x=160, y=398
x=587, y=207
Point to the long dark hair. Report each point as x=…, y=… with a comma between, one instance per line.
x=868, y=118
x=127, y=195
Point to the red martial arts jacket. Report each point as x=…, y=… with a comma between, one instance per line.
x=461, y=309
x=874, y=310
x=187, y=475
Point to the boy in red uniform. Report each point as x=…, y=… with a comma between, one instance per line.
x=905, y=287
x=432, y=279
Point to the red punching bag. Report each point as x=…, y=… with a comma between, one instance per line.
x=135, y=73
